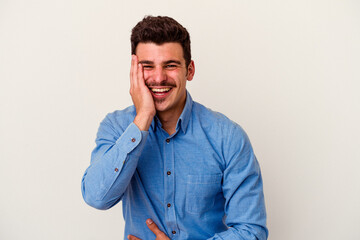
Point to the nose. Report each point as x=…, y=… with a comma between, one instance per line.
x=159, y=75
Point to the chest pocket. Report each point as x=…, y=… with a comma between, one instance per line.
x=201, y=191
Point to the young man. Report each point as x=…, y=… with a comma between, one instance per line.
x=181, y=170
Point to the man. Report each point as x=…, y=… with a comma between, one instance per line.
x=181, y=170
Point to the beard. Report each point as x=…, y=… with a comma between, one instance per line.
x=159, y=100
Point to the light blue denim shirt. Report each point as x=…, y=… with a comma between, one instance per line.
x=202, y=182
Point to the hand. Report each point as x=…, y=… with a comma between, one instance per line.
x=154, y=228
x=141, y=96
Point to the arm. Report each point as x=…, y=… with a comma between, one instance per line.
x=243, y=191
x=113, y=162
x=115, y=157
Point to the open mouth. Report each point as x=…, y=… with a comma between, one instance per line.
x=160, y=92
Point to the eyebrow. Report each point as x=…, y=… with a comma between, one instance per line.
x=146, y=62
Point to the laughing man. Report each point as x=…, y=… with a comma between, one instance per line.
x=181, y=170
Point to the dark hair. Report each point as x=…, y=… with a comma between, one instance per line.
x=161, y=30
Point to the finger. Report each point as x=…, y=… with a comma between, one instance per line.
x=140, y=74
x=131, y=71
x=154, y=228
x=131, y=237
x=134, y=69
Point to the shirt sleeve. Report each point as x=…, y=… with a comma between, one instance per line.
x=113, y=163
x=243, y=191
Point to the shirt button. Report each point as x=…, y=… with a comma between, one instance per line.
x=167, y=140
x=173, y=232
x=169, y=205
x=168, y=173
x=133, y=139
x=116, y=169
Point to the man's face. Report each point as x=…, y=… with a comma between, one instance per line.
x=165, y=74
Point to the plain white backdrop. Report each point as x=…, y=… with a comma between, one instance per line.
x=287, y=71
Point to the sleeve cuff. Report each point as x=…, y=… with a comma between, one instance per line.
x=131, y=138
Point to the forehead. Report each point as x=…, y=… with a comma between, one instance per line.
x=160, y=53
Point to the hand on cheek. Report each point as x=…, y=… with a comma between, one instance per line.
x=141, y=96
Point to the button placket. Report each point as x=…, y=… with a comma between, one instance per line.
x=169, y=198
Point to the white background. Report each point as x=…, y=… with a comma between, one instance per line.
x=286, y=71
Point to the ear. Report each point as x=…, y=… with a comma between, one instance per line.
x=190, y=71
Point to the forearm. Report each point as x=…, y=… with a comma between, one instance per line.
x=109, y=173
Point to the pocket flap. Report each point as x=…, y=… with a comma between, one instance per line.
x=204, y=178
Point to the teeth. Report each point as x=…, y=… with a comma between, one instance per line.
x=160, y=89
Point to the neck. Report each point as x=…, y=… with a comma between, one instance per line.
x=169, y=119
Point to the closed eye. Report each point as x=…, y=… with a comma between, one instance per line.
x=147, y=67
x=171, y=66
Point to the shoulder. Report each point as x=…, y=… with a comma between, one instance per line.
x=211, y=119
x=119, y=120
x=220, y=128
x=122, y=115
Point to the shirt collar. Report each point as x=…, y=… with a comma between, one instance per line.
x=154, y=123
x=186, y=113
x=184, y=118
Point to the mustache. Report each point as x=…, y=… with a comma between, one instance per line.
x=164, y=83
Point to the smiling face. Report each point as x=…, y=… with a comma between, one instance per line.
x=165, y=74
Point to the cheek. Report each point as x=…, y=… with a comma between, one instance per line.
x=177, y=75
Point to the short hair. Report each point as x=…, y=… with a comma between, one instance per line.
x=159, y=30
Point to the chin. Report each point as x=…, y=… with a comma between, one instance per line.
x=160, y=109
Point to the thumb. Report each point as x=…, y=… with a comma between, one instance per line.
x=153, y=227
